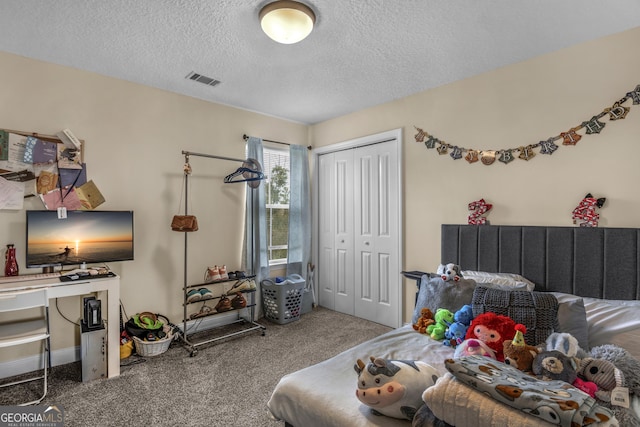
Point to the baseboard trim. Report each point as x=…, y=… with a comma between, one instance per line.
x=34, y=362
x=72, y=354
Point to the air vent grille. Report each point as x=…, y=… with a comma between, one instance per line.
x=202, y=79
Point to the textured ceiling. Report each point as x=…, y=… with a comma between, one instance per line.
x=361, y=53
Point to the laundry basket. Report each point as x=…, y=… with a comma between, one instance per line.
x=282, y=301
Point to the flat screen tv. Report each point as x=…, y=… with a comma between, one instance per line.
x=83, y=237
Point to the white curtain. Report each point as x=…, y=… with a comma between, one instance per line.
x=255, y=258
x=299, y=245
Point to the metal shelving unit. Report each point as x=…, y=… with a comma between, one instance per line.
x=248, y=324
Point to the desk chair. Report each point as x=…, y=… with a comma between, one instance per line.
x=14, y=333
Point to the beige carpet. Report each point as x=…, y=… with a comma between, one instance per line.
x=227, y=383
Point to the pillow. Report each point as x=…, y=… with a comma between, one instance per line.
x=538, y=311
x=614, y=322
x=572, y=318
x=435, y=293
x=500, y=280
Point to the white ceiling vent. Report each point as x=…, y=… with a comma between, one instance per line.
x=202, y=79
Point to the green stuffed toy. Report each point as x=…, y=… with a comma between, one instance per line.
x=443, y=318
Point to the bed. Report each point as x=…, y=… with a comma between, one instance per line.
x=592, y=273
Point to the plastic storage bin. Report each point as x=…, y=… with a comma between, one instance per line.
x=282, y=302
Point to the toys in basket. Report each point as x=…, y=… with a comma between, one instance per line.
x=151, y=336
x=153, y=347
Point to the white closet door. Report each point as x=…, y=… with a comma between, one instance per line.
x=325, y=274
x=343, y=236
x=359, y=224
x=376, y=233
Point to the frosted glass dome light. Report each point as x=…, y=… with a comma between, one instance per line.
x=287, y=22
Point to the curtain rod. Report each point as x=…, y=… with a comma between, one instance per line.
x=245, y=137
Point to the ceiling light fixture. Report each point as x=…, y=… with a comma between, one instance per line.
x=287, y=22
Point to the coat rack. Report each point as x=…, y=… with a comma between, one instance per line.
x=250, y=172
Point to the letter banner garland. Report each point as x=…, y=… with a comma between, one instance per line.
x=571, y=137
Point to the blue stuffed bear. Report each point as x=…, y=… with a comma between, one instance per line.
x=455, y=334
x=464, y=315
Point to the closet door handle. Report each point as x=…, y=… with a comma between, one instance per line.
x=366, y=243
x=341, y=241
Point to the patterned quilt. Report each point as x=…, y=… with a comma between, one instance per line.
x=554, y=401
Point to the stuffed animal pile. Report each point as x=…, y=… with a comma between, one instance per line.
x=462, y=318
x=444, y=325
x=608, y=373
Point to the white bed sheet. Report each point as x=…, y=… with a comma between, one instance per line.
x=324, y=395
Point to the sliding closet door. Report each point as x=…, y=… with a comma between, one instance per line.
x=376, y=233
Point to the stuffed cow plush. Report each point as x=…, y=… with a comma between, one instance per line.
x=394, y=387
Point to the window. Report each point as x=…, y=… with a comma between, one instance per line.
x=277, y=189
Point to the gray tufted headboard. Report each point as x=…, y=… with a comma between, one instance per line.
x=589, y=262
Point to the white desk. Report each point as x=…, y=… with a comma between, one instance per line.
x=58, y=289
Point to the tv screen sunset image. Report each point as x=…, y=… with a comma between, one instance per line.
x=81, y=237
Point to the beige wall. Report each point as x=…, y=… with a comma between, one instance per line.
x=134, y=138
x=513, y=106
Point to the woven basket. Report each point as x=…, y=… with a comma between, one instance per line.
x=152, y=348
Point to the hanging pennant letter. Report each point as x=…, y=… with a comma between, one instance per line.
x=526, y=153
x=635, y=95
x=488, y=157
x=472, y=156
x=571, y=137
x=593, y=125
x=617, y=111
x=506, y=156
x=548, y=146
x=431, y=142
x=421, y=135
